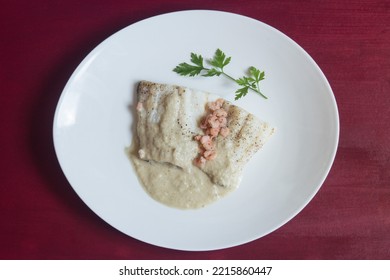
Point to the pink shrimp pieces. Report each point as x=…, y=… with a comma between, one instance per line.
x=214, y=124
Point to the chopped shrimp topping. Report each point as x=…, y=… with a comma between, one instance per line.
x=140, y=106
x=214, y=124
x=224, y=131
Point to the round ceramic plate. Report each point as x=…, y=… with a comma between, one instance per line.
x=94, y=124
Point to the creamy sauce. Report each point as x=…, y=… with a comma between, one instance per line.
x=164, y=162
x=176, y=187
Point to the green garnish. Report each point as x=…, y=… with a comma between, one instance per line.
x=219, y=61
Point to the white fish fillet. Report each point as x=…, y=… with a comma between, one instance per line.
x=169, y=120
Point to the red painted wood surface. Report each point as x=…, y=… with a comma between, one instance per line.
x=43, y=41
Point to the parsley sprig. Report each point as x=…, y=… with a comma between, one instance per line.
x=218, y=62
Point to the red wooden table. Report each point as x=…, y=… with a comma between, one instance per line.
x=43, y=41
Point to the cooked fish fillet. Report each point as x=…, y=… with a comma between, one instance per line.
x=168, y=120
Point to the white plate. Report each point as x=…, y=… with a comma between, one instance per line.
x=93, y=125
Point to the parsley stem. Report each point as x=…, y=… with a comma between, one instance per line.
x=228, y=76
x=252, y=88
x=234, y=80
x=258, y=91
